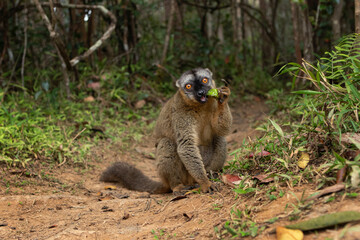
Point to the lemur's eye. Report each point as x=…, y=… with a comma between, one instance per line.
x=205, y=80
x=188, y=86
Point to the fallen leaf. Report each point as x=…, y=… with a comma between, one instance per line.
x=263, y=178
x=335, y=188
x=260, y=154
x=303, y=160
x=326, y=220
x=355, y=176
x=187, y=218
x=110, y=187
x=288, y=234
x=140, y=104
x=347, y=137
x=94, y=85
x=231, y=180
x=89, y=99
x=340, y=175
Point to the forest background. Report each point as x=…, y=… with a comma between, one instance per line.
x=76, y=75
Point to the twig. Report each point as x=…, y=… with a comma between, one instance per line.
x=167, y=71
x=25, y=47
x=163, y=208
x=72, y=140
x=148, y=204
x=77, y=135
x=60, y=164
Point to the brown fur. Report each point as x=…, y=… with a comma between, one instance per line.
x=189, y=141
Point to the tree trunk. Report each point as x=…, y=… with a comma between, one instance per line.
x=237, y=27
x=209, y=25
x=220, y=29
x=308, y=36
x=72, y=29
x=236, y=21
x=335, y=20
x=4, y=29
x=266, y=45
x=295, y=20
x=168, y=31
x=357, y=16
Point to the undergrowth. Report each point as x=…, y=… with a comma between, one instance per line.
x=38, y=126
x=312, y=135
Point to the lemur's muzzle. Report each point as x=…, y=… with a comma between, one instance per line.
x=202, y=95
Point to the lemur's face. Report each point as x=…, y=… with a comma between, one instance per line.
x=195, y=84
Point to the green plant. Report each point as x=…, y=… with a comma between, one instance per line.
x=241, y=225
x=335, y=102
x=312, y=120
x=161, y=234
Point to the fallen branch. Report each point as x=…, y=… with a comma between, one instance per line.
x=335, y=188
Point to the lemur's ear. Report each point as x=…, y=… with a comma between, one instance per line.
x=178, y=83
x=209, y=71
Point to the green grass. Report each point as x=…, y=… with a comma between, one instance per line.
x=40, y=126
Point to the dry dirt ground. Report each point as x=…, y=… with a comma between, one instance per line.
x=72, y=204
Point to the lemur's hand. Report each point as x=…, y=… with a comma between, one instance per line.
x=224, y=93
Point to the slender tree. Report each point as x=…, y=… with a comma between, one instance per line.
x=296, y=32
x=357, y=16
x=335, y=19
x=168, y=31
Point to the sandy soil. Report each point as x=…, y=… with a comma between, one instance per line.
x=72, y=204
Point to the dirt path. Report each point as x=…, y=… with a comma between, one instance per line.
x=73, y=204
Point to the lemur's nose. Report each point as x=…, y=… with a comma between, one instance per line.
x=201, y=93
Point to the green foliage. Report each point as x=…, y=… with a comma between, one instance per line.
x=334, y=105
x=29, y=132
x=310, y=121
x=240, y=225
x=40, y=126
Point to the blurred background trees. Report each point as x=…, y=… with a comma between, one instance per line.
x=245, y=41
